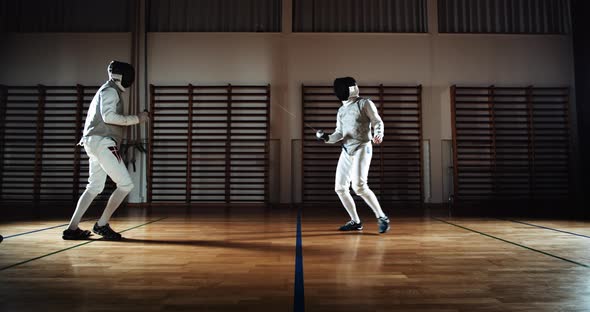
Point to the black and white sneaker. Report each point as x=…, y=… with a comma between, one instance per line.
x=351, y=226
x=106, y=232
x=383, y=224
x=76, y=234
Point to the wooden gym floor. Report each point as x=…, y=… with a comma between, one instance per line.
x=255, y=261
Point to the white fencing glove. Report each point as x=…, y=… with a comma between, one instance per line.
x=321, y=136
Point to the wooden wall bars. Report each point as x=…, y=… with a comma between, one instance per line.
x=209, y=144
x=510, y=144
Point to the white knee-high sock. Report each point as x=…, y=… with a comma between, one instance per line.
x=349, y=205
x=83, y=203
x=114, y=201
x=371, y=200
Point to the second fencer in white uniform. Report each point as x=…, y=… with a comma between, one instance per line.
x=103, y=132
x=354, y=121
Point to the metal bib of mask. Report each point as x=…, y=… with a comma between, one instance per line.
x=345, y=87
x=123, y=72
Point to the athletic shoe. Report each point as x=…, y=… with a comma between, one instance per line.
x=76, y=234
x=106, y=232
x=351, y=226
x=383, y=224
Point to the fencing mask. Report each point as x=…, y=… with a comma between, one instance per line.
x=124, y=73
x=345, y=88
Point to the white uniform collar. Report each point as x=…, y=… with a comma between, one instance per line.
x=350, y=101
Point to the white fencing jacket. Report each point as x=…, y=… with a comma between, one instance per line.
x=353, y=124
x=105, y=115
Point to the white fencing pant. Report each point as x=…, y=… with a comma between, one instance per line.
x=104, y=160
x=355, y=169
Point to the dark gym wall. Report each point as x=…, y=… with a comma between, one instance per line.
x=581, y=34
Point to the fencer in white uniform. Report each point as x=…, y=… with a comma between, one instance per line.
x=103, y=132
x=354, y=121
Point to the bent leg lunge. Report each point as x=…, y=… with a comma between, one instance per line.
x=96, y=181
x=113, y=165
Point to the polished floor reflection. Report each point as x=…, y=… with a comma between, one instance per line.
x=239, y=260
